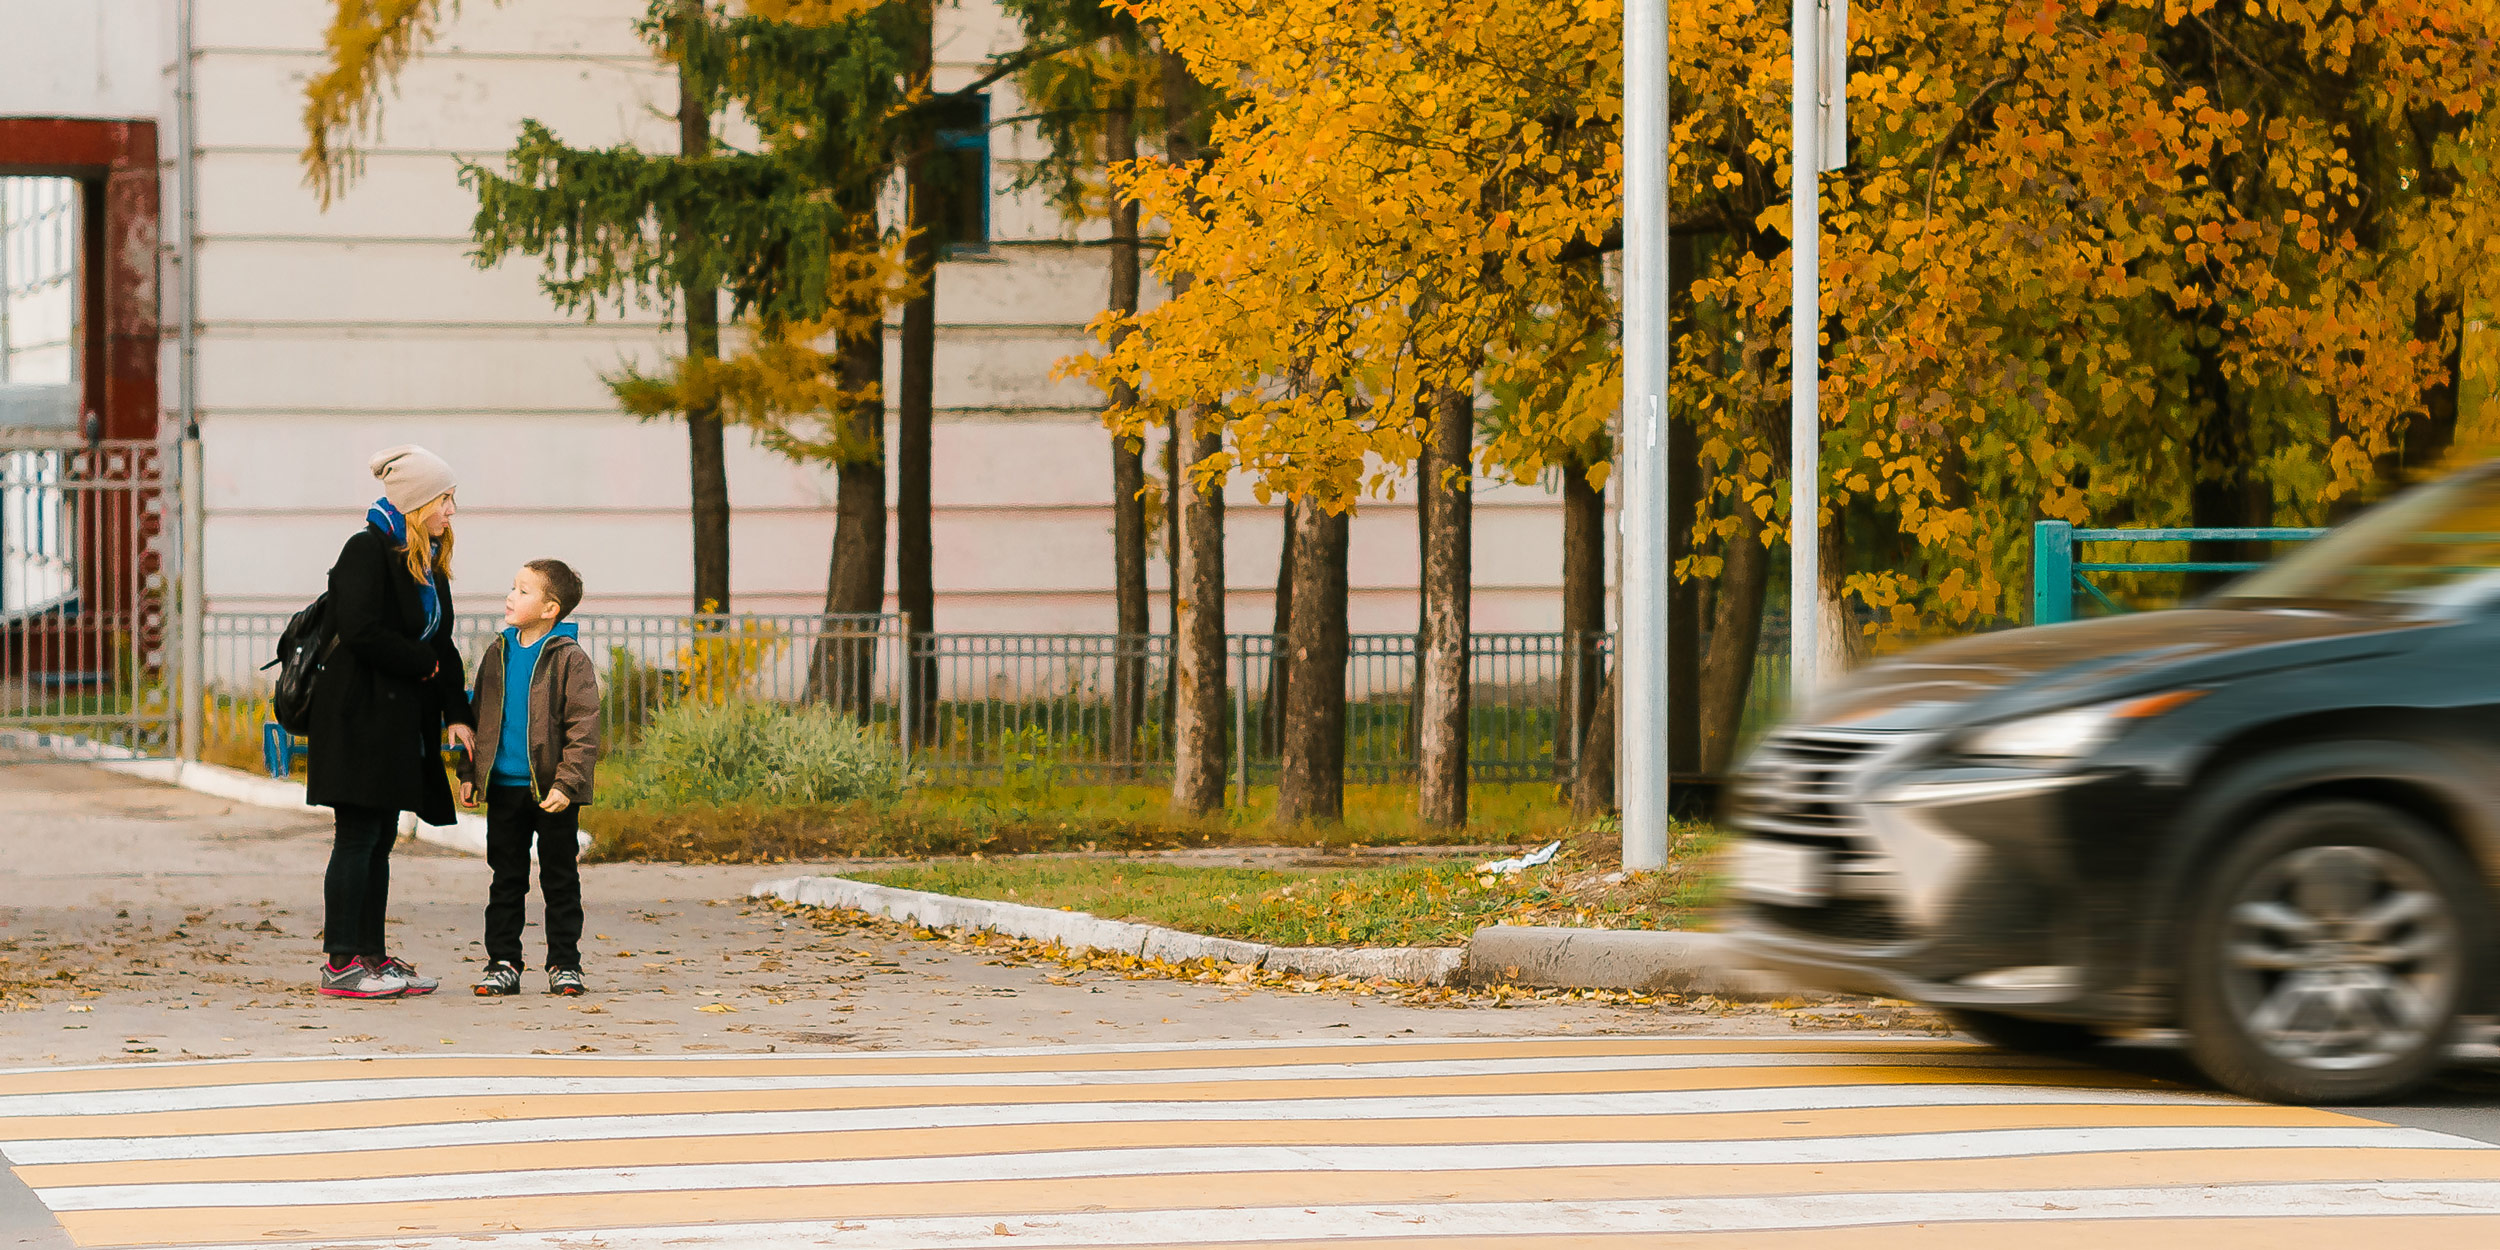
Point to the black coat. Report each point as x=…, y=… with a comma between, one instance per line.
x=386, y=691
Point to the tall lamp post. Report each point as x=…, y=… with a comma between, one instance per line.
x=1818, y=111
x=1818, y=118
x=1641, y=445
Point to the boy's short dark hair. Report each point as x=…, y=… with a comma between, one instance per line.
x=562, y=582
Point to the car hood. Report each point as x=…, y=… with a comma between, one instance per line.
x=2019, y=671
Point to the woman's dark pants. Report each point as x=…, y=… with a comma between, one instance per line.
x=358, y=889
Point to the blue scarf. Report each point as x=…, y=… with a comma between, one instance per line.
x=387, y=519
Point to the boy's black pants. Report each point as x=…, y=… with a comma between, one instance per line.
x=514, y=821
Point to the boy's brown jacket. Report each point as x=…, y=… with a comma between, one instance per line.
x=564, y=717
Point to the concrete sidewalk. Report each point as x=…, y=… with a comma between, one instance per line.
x=139, y=921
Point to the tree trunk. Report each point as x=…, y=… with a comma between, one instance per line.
x=1842, y=646
x=1593, y=791
x=2427, y=441
x=1312, y=787
x=1735, y=637
x=2226, y=493
x=1200, y=714
x=1280, y=657
x=1410, y=735
x=1128, y=468
x=1684, y=598
x=1172, y=596
x=856, y=585
x=707, y=455
x=1583, y=607
x=1179, y=148
x=914, y=556
x=1441, y=756
x=1686, y=257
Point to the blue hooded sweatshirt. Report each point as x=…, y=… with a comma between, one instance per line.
x=520, y=668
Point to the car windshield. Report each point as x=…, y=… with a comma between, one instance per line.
x=2437, y=546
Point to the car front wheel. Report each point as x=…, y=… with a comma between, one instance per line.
x=2328, y=955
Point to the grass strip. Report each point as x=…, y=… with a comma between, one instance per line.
x=1434, y=903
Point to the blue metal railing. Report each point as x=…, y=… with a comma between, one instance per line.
x=2056, y=575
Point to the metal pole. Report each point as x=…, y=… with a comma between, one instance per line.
x=2052, y=572
x=189, y=680
x=903, y=686
x=1241, y=722
x=189, y=663
x=1805, y=427
x=1641, y=663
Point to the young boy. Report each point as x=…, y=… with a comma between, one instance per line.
x=537, y=743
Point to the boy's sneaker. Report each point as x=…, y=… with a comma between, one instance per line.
x=501, y=978
x=407, y=971
x=565, y=981
x=358, y=979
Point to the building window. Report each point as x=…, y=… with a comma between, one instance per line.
x=959, y=174
x=38, y=568
x=40, y=332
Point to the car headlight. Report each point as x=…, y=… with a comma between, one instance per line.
x=2070, y=734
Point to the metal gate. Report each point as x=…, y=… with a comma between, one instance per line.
x=85, y=603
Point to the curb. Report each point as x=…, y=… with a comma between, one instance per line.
x=1639, y=960
x=1648, y=961
x=1428, y=965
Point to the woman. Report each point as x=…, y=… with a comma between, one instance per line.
x=390, y=684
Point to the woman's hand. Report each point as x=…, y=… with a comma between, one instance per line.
x=464, y=737
x=468, y=795
x=555, y=801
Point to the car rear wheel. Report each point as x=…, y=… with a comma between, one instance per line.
x=2329, y=954
x=2022, y=1035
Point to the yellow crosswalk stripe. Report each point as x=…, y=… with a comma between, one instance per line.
x=1044, y=1059
x=1419, y=1145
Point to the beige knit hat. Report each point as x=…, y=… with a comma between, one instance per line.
x=412, y=477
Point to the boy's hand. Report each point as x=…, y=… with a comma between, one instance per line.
x=468, y=795
x=555, y=801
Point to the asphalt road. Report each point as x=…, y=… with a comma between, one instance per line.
x=744, y=1077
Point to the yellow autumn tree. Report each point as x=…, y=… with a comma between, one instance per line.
x=2131, y=261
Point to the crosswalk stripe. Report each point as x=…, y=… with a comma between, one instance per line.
x=1140, y=1057
x=457, y=1107
x=632, y=1143
x=1424, y=1145
x=397, y=1089
x=2272, y=1208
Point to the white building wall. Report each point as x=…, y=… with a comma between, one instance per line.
x=98, y=59
x=327, y=335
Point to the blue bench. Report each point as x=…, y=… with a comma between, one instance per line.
x=280, y=749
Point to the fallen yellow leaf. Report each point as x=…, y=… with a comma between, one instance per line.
x=716, y=1008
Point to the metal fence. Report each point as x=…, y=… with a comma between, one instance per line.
x=1023, y=708
x=1097, y=707
x=2059, y=581
x=84, y=602
x=1079, y=708
x=645, y=663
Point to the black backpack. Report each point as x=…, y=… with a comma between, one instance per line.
x=302, y=649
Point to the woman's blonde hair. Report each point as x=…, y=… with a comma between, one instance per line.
x=424, y=551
